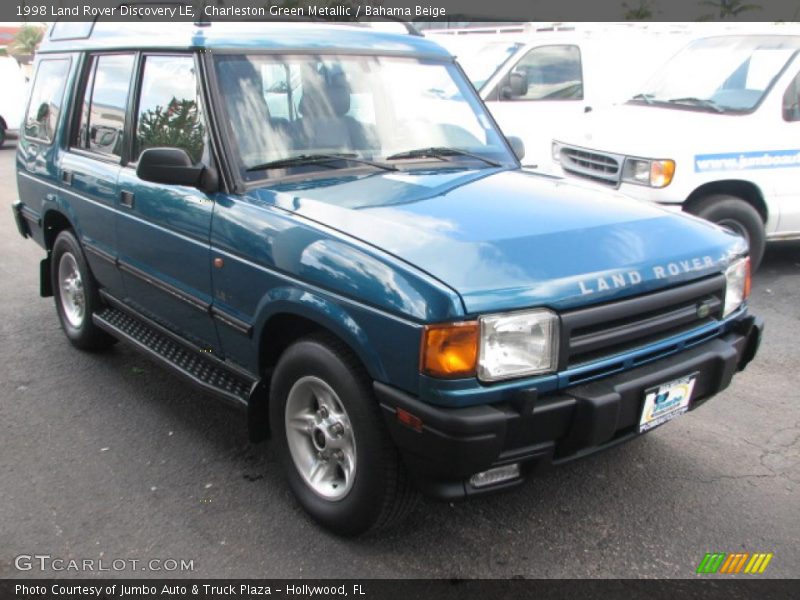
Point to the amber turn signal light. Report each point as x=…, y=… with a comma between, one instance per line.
x=450, y=350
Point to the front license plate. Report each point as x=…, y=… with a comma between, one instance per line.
x=666, y=402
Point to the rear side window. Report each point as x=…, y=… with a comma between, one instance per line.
x=548, y=73
x=102, y=121
x=169, y=110
x=791, y=101
x=46, y=98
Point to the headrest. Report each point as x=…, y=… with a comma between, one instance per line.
x=325, y=95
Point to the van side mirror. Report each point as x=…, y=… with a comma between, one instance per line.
x=517, y=145
x=516, y=85
x=174, y=166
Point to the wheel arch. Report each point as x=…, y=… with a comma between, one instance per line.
x=301, y=313
x=54, y=222
x=289, y=314
x=740, y=188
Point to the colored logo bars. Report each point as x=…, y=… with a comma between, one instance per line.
x=741, y=562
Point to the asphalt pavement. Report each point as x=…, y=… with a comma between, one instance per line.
x=109, y=457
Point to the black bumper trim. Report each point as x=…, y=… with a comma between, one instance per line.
x=455, y=443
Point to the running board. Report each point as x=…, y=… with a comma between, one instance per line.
x=204, y=370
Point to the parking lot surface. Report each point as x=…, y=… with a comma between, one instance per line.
x=111, y=457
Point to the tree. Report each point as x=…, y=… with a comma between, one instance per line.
x=27, y=40
x=643, y=11
x=177, y=125
x=728, y=8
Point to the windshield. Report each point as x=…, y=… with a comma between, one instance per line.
x=721, y=74
x=299, y=113
x=481, y=63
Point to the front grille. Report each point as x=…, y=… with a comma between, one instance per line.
x=602, y=331
x=603, y=168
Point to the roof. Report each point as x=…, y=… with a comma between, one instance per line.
x=270, y=36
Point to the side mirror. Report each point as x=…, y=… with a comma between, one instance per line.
x=173, y=166
x=517, y=145
x=516, y=85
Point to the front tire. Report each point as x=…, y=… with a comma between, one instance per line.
x=738, y=216
x=75, y=294
x=329, y=433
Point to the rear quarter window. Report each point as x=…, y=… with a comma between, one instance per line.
x=47, y=97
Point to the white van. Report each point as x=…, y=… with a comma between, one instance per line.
x=12, y=99
x=716, y=132
x=535, y=77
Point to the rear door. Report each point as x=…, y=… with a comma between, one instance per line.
x=90, y=167
x=164, y=229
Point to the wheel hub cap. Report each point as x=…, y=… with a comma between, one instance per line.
x=73, y=300
x=320, y=438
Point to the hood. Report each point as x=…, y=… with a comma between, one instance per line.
x=618, y=129
x=506, y=239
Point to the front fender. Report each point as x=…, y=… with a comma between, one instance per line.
x=342, y=318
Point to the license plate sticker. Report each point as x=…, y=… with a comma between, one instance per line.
x=666, y=401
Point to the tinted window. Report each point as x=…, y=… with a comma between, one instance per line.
x=550, y=73
x=105, y=99
x=169, y=110
x=791, y=100
x=46, y=99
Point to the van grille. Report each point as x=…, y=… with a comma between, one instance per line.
x=607, y=329
x=603, y=168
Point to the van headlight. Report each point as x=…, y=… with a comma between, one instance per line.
x=517, y=344
x=652, y=173
x=737, y=285
x=556, y=150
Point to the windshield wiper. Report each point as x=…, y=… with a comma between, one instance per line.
x=311, y=159
x=648, y=98
x=703, y=102
x=441, y=152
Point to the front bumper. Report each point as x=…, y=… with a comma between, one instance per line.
x=453, y=444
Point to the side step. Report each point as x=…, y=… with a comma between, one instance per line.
x=204, y=370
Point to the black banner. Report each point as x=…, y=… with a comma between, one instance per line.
x=444, y=11
x=369, y=589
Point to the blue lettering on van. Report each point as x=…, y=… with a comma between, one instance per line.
x=738, y=161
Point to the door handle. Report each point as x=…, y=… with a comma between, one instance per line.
x=66, y=177
x=126, y=199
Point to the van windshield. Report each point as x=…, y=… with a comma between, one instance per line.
x=720, y=74
x=299, y=113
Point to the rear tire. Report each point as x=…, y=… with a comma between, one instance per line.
x=2, y=136
x=75, y=294
x=333, y=443
x=738, y=216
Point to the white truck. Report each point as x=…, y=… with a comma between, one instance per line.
x=716, y=132
x=12, y=99
x=536, y=77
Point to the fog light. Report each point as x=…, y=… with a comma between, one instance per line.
x=496, y=475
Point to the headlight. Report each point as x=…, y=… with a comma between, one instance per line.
x=653, y=173
x=737, y=285
x=517, y=344
x=556, y=149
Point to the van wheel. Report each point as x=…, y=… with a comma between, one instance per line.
x=75, y=293
x=738, y=216
x=2, y=136
x=329, y=433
